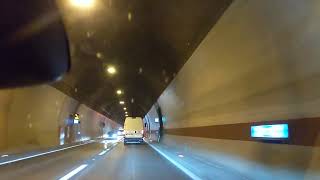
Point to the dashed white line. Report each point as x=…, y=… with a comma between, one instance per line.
x=74, y=172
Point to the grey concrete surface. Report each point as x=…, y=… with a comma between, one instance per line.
x=260, y=62
x=131, y=162
x=36, y=117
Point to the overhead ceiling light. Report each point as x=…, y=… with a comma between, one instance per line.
x=126, y=112
x=119, y=92
x=111, y=70
x=83, y=3
x=126, y=115
x=124, y=108
x=121, y=102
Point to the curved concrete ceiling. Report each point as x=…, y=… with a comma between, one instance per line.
x=146, y=41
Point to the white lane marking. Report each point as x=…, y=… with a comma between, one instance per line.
x=41, y=154
x=102, y=153
x=5, y=155
x=74, y=172
x=183, y=169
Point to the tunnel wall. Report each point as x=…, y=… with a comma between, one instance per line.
x=152, y=131
x=5, y=100
x=258, y=64
x=91, y=126
x=35, y=117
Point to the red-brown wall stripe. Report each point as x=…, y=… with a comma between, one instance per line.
x=303, y=132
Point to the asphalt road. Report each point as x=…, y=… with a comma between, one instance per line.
x=132, y=162
x=121, y=162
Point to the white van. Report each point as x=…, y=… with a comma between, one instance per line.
x=133, y=130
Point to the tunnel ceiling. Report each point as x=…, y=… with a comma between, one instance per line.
x=146, y=41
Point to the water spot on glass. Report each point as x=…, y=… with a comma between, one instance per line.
x=129, y=16
x=166, y=80
x=99, y=55
x=89, y=34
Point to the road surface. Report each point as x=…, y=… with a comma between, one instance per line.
x=120, y=162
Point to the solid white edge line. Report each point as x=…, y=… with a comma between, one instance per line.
x=41, y=154
x=183, y=169
x=74, y=172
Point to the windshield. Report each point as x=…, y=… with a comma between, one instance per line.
x=225, y=90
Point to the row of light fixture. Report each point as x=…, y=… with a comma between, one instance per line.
x=119, y=93
x=124, y=108
x=111, y=70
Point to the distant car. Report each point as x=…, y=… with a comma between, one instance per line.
x=111, y=135
x=133, y=130
x=121, y=132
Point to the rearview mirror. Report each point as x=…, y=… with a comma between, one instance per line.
x=33, y=43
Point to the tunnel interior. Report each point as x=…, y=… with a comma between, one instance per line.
x=226, y=89
x=147, y=42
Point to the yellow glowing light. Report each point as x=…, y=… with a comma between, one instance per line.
x=111, y=70
x=126, y=112
x=99, y=55
x=76, y=116
x=124, y=108
x=129, y=16
x=83, y=3
x=121, y=102
x=119, y=92
x=126, y=115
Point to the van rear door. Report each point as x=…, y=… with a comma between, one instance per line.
x=133, y=129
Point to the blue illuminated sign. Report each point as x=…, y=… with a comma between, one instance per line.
x=274, y=131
